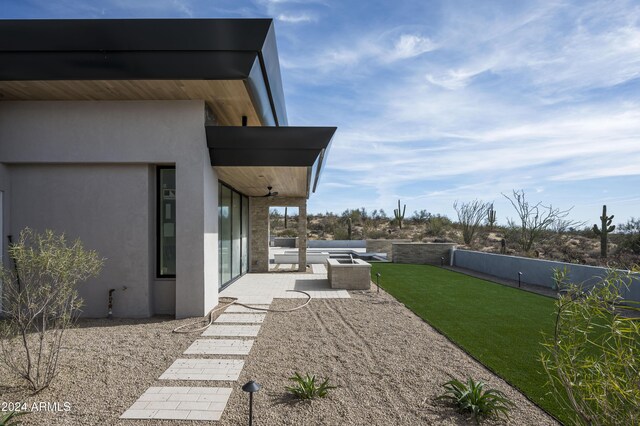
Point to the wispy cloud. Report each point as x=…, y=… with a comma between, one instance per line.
x=295, y=19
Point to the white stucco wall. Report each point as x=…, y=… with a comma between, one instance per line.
x=100, y=204
x=88, y=147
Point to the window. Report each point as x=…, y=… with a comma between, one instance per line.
x=233, y=216
x=166, y=222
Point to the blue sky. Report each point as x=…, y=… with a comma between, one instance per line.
x=443, y=100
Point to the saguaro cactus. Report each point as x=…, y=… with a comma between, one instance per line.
x=285, y=218
x=491, y=217
x=399, y=215
x=606, y=227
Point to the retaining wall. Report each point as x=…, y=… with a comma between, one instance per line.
x=534, y=271
x=383, y=246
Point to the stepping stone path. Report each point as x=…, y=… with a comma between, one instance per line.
x=227, y=336
x=219, y=347
x=217, y=330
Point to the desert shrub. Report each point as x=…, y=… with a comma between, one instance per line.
x=306, y=387
x=472, y=398
x=470, y=216
x=40, y=301
x=535, y=219
x=376, y=234
x=629, y=241
x=340, y=234
x=591, y=360
x=437, y=225
x=288, y=232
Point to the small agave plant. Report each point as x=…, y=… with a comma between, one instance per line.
x=471, y=397
x=306, y=387
x=9, y=419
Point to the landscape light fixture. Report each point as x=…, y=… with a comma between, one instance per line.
x=378, y=274
x=442, y=261
x=519, y=276
x=251, y=387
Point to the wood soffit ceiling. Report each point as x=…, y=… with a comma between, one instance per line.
x=253, y=181
x=228, y=99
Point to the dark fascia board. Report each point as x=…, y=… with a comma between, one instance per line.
x=270, y=147
x=136, y=49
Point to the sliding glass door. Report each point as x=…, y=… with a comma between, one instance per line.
x=233, y=216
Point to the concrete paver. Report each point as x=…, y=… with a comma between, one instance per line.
x=228, y=330
x=179, y=403
x=204, y=369
x=219, y=347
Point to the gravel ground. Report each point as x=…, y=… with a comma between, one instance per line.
x=387, y=363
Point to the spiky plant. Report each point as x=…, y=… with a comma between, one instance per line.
x=472, y=398
x=306, y=387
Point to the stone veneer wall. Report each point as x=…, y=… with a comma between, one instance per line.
x=259, y=226
x=421, y=253
x=383, y=246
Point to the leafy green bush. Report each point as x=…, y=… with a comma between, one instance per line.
x=307, y=388
x=591, y=361
x=40, y=301
x=471, y=397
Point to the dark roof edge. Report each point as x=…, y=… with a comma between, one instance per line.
x=271, y=146
x=87, y=49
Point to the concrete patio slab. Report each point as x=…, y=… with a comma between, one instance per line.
x=179, y=403
x=204, y=369
x=219, y=347
x=220, y=330
x=245, y=310
x=241, y=318
x=263, y=288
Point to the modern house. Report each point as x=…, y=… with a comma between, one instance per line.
x=157, y=143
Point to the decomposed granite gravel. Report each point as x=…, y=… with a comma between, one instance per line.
x=388, y=365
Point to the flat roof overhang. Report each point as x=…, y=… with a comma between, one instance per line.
x=290, y=159
x=126, y=59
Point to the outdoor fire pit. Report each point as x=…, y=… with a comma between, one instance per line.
x=349, y=274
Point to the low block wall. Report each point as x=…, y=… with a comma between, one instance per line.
x=312, y=258
x=383, y=246
x=534, y=271
x=287, y=242
x=421, y=253
x=336, y=244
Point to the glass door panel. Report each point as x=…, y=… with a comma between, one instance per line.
x=236, y=208
x=225, y=234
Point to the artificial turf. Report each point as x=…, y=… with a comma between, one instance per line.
x=499, y=326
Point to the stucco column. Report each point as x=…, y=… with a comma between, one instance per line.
x=302, y=236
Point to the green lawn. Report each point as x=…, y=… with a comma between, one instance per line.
x=500, y=326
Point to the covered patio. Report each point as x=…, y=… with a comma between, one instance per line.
x=262, y=288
